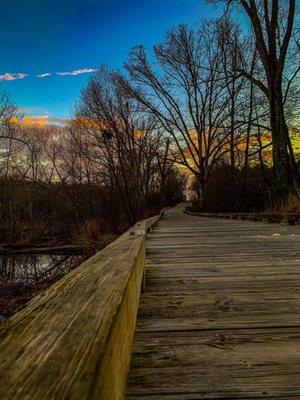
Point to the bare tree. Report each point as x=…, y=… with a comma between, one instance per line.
x=187, y=93
x=118, y=140
x=273, y=24
x=232, y=49
x=11, y=140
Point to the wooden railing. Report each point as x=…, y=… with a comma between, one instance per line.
x=74, y=340
x=290, y=218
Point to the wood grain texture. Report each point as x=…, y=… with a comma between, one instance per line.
x=220, y=316
x=74, y=340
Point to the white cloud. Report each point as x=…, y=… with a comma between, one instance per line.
x=77, y=72
x=44, y=75
x=8, y=76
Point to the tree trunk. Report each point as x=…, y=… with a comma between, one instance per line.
x=200, y=191
x=293, y=162
x=280, y=139
x=261, y=159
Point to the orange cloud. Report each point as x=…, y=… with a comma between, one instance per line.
x=40, y=121
x=8, y=76
x=27, y=121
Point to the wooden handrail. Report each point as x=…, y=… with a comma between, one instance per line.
x=74, y=340
x=290, y=218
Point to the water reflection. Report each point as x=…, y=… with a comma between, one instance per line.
x=36, y=267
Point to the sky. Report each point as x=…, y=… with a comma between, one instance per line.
x=50, y=48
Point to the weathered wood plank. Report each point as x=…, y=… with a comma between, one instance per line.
x=238, y=363
x=220, y=317
x=74, y=340
x=191, y=311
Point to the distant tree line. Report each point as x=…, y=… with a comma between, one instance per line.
x=87, y=181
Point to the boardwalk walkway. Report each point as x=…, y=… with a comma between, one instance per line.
x=220, y=316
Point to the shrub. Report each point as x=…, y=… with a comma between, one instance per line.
x=235, y=190
x=289, y=205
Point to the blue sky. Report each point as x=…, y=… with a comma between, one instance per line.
x=39, y=37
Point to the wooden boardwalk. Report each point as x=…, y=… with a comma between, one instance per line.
x=220, y=316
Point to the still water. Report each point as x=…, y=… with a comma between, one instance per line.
x=35, y=268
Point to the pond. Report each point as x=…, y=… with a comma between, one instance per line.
x=34, y=268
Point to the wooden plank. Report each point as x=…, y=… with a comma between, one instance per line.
x=243, y=363
x=187, y=283
x=191, y=311
x=217, y=270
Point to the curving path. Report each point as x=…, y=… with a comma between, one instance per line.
x=220, y=316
